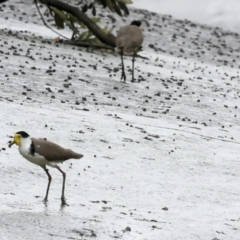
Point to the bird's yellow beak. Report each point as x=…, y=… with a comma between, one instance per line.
x=16, y=140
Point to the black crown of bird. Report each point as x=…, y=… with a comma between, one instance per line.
x=136, y=23
x=44, y=153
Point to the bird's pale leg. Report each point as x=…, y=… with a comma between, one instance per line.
x=133, y=60
x=63, y=186
x=123, y=71
x=49, y=182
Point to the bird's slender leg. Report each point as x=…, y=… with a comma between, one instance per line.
x=123, y=71
x=49, y=182
x=133, y=60
x=63, y=186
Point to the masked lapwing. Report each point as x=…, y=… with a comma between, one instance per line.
x=129, y=40
x=44, y=153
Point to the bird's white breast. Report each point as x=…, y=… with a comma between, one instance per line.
x=24, y=150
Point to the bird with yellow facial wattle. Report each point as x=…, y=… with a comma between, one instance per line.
x=44, y=153
x=129, y=40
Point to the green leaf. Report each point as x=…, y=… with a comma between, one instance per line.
x=103, y=2
x=88, y=35
x=50, y=11
x=123, y=7
x=126, y=1
x=117, y=10
x=83, y=35
x=75, y=20
x=90, y=6
x=96, y=19
x=85, y=8
x=59, y=13
x=107, y=30
x=59, y=21
x=94, y=11
x=110, y=5
x=71, y=23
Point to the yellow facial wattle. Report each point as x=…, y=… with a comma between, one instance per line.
x=16, y=140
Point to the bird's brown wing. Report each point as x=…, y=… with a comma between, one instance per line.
x=53, y=152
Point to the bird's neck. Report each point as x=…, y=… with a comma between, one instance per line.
x=25, y=142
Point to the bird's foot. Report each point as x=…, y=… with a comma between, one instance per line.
x=64, y=203
x=45, y=201
x=123, y=77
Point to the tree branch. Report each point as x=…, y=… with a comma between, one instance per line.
x=108, y=39
x=86, y=44
x=35, y=1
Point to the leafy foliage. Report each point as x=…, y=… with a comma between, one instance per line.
x=80, y=31
x=118, y=6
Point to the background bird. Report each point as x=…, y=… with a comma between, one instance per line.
x=129, y=39
x=42, y=152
